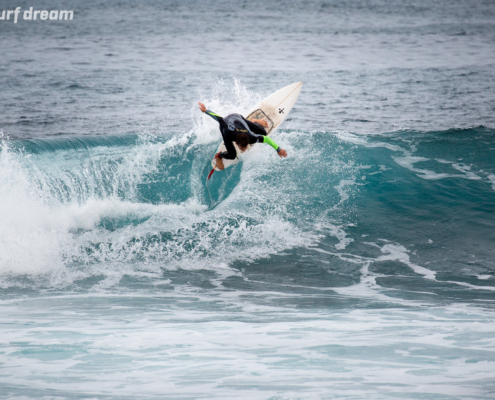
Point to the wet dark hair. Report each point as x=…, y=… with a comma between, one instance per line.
x=242, y=140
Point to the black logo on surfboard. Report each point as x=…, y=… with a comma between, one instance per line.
x=280, y=110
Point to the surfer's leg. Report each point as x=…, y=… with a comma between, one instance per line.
x=229, y=145
x=256, y=127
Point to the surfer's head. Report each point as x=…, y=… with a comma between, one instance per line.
x=242, y=141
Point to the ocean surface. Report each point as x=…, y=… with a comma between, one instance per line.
x=362, y=266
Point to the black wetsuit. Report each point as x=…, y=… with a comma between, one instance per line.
x=234, y=124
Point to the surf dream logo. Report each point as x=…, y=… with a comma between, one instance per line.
x=30, y=15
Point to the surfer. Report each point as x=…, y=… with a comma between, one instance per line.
x=235, y=128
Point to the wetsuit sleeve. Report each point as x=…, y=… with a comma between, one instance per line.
x=216, y=117
x=269, y=140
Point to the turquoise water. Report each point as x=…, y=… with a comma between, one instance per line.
x=360, y=267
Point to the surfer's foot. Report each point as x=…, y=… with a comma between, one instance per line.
x=219, y=163
x=262, y=122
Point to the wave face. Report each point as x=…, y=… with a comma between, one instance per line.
x=76, y=207
x=135, y=205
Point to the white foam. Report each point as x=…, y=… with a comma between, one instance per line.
x=409, y=161
x=469, y=285
x=466, y=169
x=362, y=140
x=178, y=349
x=341, y=235
x=340, y=188
x=491, y=178
x=396, y=252
x=37, y=233
x=54, y=205
x=31, y=233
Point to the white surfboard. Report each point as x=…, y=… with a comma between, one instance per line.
x=274, y=109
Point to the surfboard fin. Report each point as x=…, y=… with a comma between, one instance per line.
x=210, y=174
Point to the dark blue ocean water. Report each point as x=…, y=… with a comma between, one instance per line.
x=362, y=266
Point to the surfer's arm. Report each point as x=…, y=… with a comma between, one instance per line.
x=269, y=140
x=216, y=117
x=281, y=152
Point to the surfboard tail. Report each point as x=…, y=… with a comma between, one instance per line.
x=210, y=174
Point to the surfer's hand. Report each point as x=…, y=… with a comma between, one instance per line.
x=282, y=153
x=202, y=107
